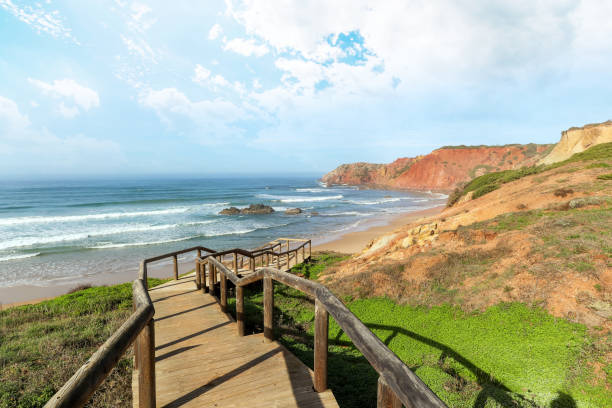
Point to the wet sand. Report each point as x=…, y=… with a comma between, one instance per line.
x=356, y=241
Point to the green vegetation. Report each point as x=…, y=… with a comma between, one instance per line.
x=42, y=345
x=510, y=355
x=492, y=181
x=605, y=176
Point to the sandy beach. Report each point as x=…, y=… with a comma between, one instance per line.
x=349, y=243
x=355, y=241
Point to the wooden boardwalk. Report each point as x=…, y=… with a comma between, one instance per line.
x=200, y=361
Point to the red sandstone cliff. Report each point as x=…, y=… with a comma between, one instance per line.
x=442, y=170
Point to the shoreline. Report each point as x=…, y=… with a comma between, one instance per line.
x=349, y=242
x=352, y=242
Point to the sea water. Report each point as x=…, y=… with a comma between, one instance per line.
x=56, y=231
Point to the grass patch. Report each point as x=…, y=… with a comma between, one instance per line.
x=605, y=176
x=492, y=181
x=42, y=345
x=510, y=355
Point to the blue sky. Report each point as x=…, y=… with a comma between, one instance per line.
x=281, y=87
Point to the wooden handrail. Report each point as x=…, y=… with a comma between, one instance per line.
x=396, y=379
x=77, y=390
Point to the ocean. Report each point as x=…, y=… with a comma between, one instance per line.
x=55, y=232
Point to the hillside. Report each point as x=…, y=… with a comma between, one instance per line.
x=441, y=170
x=543, y=239
x=540, y=241
x=578, y=139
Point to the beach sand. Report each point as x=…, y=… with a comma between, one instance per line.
x=356, y=241
x=349, y=243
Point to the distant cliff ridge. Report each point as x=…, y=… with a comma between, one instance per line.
x=578, y=139
x=441, y=170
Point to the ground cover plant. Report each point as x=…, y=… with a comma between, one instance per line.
x=42, y=345
x=509, y=355
x=486, y=183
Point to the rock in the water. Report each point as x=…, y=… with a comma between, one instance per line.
x=257, y=209
x=314, y=213
x=230, y=211
x=293, y=211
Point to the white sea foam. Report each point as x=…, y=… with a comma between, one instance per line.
x=311, y=190
x=131, y=244
x=376, y=202
x=102, y=216
x=53, y=239
x=299, y=199
x=347, y=213
x=21, y=256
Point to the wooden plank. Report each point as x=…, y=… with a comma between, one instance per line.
x=204, y=363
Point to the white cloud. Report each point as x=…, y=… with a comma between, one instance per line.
x=68, y=90
x=246, y=47
x=68, y=112
x=201, y=74
x=141, y=20
x=26, y=148
x=213, y=119
x=439, y=42
x=39, y=19
x=214, y=32
x=140, y=47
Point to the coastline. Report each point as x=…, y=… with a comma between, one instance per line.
x=353, y=242
x=349, y=242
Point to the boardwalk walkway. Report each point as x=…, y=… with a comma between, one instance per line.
x=200, y=361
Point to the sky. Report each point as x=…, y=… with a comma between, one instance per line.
x=281, y=87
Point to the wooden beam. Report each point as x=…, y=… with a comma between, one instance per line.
x=146, y=370
x=197, y=276
x=223, y=295
x=386, y=398
x=77, y=390
x=268, y=290
x=240, y=310
x=320, y=347
x=175, y=259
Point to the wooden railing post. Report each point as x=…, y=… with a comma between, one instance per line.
x=320, y=347
x=223, y=288
x=278, y=262
x=268, y=289
x=198, y=275
x=386, y=397
x=144, y=275
x=175, y=258
x=204, y=285
x=146, y=368
x=236, y=263
x=240, y=310
x=303, y=252
x=211, y=283
x=252, y=260
x=309, y=249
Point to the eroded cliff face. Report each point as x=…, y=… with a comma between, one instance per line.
x=576, y=140
x=442, y=170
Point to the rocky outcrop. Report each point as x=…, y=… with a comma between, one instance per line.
x=441, y=170
x=578, y=139
x=250, y=210
x=293, y=211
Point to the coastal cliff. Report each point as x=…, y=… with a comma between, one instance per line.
x=578, y=139
x=441, y=170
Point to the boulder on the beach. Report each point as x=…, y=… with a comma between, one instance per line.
x=293, y=211
x=230, y=211
x=251, y=209
x=257, y=209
